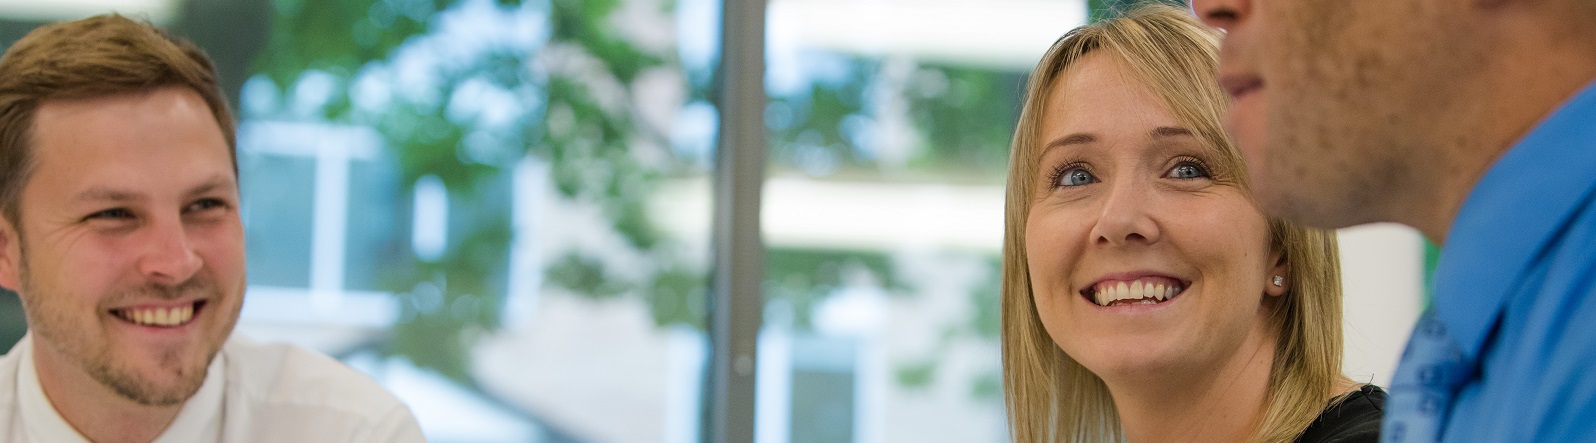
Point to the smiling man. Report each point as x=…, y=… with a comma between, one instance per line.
x=1475, y=122
x=121, y=233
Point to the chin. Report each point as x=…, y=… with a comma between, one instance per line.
x=167, y=380
x=1111, y=360
x=1313, y=212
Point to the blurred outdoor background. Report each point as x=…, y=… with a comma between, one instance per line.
x=501, y=209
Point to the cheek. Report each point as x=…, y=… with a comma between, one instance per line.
x=1053, y=245
x=1247, y=123
x=221, y=247
x=1293, y=48
x=87, y=266
x=1229, y=244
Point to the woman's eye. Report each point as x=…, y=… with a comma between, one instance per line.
x=1188, y=171
x=1076, y=177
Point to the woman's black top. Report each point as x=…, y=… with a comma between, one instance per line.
x=1356, y=419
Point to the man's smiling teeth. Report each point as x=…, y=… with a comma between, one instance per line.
x=1137, y=291
x=157, y=316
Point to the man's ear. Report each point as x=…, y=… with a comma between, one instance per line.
x=10, y=256
x=1279, y=273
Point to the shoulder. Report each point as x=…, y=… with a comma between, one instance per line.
x=8, y=392
x=9, y=362
x=297, y=386
x=1355, y=418
x=9, y=365
x=283, y=373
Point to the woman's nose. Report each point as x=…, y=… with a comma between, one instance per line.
x=1126, y=216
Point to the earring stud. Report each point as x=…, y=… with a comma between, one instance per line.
x=1280, y=281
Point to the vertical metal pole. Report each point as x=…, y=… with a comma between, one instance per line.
x=736, y=305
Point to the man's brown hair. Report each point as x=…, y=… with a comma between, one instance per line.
x=95, y=57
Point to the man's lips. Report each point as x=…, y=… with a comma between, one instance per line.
x=1238, y=85
x=166, y=314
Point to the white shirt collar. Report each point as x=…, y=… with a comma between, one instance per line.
x=199, y=420
x=39, y=419
x=201, y=417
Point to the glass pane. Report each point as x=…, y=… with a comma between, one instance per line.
x=277, y=224
x=480, y=203
x=883, y=214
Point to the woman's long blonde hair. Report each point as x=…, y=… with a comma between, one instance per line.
x=1051, y=397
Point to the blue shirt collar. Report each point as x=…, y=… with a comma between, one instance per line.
x=1510, y=218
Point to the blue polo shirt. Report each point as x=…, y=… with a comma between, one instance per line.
x=1516, y=287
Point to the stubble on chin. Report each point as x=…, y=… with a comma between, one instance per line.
x=184, y=368
x=132, y=385
x=1355, y=121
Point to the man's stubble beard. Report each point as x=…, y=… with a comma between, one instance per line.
x=75, y=343
x=1356, y=143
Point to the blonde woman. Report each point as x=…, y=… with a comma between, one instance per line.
x=1145, y=296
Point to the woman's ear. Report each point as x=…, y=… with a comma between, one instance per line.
x=1279, y=275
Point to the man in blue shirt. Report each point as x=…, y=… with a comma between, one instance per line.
x=1475, y=122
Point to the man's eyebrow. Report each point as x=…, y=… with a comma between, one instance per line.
x=217, y=183
x=1078, y=138
x=102, y=194
x=1171, y=131
x=113, y=195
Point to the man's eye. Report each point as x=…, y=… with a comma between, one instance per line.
x=111, y=214
x=206, y=204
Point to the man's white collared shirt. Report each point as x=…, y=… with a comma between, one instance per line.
x=252, y=393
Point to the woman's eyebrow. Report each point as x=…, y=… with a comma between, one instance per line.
x=1171, y=131
x=1079, y=138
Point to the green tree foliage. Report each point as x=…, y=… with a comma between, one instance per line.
x=574, y=123
x=1101, y=9
x=584, y=128
x=963, y=118
x=967, y=116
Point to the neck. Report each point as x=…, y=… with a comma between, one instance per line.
x=93, y=409
x=1221, y=403
x=1531, y=69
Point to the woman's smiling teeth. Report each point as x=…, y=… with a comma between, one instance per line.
x=166, y=317
x=1140, y=292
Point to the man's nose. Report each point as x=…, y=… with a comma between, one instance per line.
x=1223, y=14
x=168, y=257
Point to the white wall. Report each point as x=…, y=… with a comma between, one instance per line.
x=1383, y=281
